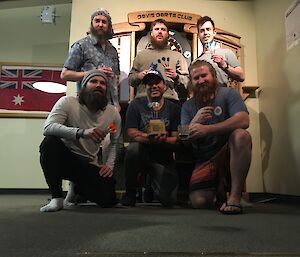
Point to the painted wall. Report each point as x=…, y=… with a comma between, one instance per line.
x=235, y=17
x=274, y=119
x=279, y=79
x=25, y=39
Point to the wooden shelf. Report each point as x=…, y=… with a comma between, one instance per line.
x=249, y=91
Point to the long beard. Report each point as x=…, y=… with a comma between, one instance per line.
x=100, y=37
x=159, y=44
x=94, y=101
x=204, y=94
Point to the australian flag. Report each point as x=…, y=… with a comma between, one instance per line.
x=17, y=92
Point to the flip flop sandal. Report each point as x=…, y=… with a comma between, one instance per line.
x=233, y=212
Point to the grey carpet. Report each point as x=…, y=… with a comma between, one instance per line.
x=267, y=229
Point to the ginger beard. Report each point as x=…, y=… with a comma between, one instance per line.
x=159, y=44
x=205, y=93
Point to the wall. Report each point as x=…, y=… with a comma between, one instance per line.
x=233, y=16
x=28, y=131
x=279, y=76
x=25, y=39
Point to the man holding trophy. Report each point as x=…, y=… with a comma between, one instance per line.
x=151, y=125
x=217, y=119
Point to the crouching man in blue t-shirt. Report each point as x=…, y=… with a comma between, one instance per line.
x=217, y=118
x=151, y=125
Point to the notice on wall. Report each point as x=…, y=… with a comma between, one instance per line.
x=292, y=24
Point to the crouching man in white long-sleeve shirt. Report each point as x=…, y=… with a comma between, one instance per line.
x=71, y=148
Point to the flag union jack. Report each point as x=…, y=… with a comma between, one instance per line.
x=16, y=78
x=17, y=91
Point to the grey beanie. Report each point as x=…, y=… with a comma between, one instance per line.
x=101, y=11
x=90, y=74
x=104, y=12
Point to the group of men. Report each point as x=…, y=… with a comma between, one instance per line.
x=216, y=116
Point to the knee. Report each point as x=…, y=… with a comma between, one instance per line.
x=240, y=139
x=201, y=201
x=50, y=143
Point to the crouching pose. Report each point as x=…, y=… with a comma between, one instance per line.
x=217, y=119
x=71, y=148
x=151, y=125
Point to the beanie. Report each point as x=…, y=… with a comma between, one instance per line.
x=92, y=73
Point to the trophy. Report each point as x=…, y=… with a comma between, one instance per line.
x=155, y=126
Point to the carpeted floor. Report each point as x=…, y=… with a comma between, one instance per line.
x=266, y=229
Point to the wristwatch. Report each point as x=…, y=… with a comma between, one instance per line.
x=79, y=133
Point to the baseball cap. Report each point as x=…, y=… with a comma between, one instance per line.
x=152, y=74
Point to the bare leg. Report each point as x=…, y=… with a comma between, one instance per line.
x=202, y=199
x=240, y=159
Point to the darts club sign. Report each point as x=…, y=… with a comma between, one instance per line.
x=169, y=16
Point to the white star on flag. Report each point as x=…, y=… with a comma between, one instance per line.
x=18, y=100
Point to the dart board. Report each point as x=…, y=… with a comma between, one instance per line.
x=177, y=42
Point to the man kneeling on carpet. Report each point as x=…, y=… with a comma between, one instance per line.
x=217, y=118
x=71, y=148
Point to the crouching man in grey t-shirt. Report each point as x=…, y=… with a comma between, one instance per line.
x=70, y=150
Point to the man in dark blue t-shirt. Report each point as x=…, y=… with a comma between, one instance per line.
x=151, y=125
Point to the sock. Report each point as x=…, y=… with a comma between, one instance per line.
x=71, y=196
x=55, y=204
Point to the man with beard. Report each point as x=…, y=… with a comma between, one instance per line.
x=171, y=64
x=73, y=133
x=217, y=119
x=95, y=52
x=152, y=152
x=223, y=60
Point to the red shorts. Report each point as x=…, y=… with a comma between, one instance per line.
x=206, y=175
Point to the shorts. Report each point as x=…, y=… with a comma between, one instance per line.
x=207, y=175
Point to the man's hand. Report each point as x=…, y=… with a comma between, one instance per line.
x=171, y=73
x=198, y=130
x=105, y=171
x=157, y=138
x=203, y=115
x=142, y=74
x=96, y=134
x=108, y=71
x=219, y=59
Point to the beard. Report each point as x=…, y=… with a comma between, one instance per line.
x=94, y=100
x=100, y=36
x=205, y=93
x=159, y=44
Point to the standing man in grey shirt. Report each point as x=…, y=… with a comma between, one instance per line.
x=71, y=148
x=95, y=52
x=223, y=60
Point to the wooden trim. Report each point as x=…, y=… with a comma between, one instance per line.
x=195, y=46
x=25, y=115
x=30, y=64
x=125, y=27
